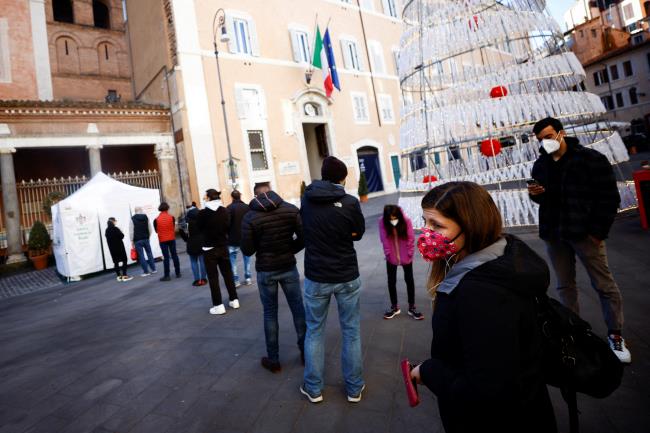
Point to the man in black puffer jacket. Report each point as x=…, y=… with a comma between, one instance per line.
x=272, y=230
x=332, y=221
x=578, y=199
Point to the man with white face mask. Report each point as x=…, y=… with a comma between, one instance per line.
x=578, y=199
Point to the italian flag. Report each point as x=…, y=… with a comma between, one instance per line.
x=324, y=60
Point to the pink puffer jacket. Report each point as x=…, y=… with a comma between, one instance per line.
x=398, y=251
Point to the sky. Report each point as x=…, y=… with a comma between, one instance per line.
x=557, y=9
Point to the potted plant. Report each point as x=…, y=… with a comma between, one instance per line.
x=363, y=188
x=303, y=186
x=52, y=198
x=38, y=245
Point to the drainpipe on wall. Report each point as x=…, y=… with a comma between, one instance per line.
x=372, y=78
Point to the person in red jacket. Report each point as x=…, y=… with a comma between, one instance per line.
x=165, y=225
x=396, y=234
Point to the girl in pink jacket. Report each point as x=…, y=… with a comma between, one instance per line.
x=396, y=234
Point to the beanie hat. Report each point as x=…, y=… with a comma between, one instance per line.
x=333, y=169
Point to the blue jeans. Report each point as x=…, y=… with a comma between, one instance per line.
x=317, y=301
x=289, y=280
x=198, y=267
x=141, y=246
x=233, y=263
x=169, y=250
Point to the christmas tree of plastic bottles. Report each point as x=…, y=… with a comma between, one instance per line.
x=475, y=76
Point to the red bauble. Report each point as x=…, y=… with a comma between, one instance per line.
x=429, y=178
x=490, y=147
x=498, y=92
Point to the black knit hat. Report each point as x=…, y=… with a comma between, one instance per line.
x=333, y=169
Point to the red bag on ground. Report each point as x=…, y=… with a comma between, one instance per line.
x=411, y=386
x=134, y=254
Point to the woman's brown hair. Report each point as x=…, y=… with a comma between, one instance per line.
x=472, y=208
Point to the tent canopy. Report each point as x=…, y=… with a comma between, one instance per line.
x=79, y=222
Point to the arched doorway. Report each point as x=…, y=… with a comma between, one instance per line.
x=370, y=165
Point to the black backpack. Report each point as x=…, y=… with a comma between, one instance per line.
x=575, y=359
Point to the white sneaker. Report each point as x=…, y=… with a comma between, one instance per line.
x=146, y=274
x=356, y=399
x=248, y=282
x=119, y=278
x=234, y=304
x=126, y=278
x=312, y=399
x=218, y=309
x=617, y=344
x=237, y=284
x=154, y=271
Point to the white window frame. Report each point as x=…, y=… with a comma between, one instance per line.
x=5, y=55
x=350, y=51
x=391, y=8
x=263, y=150
x=300, y=44
x=386, y=111
x=395, y=52
x=368, y=5
x=360, y=117
x=235, y=22
x=377, y=57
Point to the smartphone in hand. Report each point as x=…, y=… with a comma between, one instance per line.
x=532, y=182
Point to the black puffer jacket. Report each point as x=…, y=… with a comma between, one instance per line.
x=272, y=230
x=485, y=366
x=237, y=211
x=332, y=221
x=589, y=197
x=194, y=235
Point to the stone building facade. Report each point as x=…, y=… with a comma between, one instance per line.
x=68, y=106
x=279, y=125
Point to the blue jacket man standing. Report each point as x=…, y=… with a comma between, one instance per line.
x=332, y=221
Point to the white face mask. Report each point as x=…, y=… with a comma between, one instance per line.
x=394, y=222
x=551, y=145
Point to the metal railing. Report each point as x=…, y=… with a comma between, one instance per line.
x=33, y=193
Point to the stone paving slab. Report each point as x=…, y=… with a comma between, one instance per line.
x=145, y=356
x=29, y=282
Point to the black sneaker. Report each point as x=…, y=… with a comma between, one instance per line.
x=415, y=313
x=272, y=366
x=165, y=278
x=392, y=312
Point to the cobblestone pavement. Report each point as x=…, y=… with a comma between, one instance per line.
x=144, y=356
x=29, y=282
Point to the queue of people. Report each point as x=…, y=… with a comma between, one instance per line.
x=486, y=350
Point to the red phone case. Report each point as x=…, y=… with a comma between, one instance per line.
x=411, y=386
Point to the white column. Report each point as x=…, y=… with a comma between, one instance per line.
x=169, y=182
x=196, y=95
x=95, y=157
x=10, y=208
x=41, y=50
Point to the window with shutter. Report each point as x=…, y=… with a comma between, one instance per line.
x=627, y=68
x=386, y=108
x=351, y=56
x=368, y=5
x=390, y=8
x=634, y=99
x=242, y=36
x=360, y=107
x=613, y=72
x=257, y=150
x=377, y=56
x=300, y=46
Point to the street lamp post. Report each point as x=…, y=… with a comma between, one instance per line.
x=221, y=24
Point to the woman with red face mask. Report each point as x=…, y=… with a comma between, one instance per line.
x=397, y=238
x=485, y=366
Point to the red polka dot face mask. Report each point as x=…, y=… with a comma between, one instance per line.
x=436, y=246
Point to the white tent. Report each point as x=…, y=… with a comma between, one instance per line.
x=79, y=223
